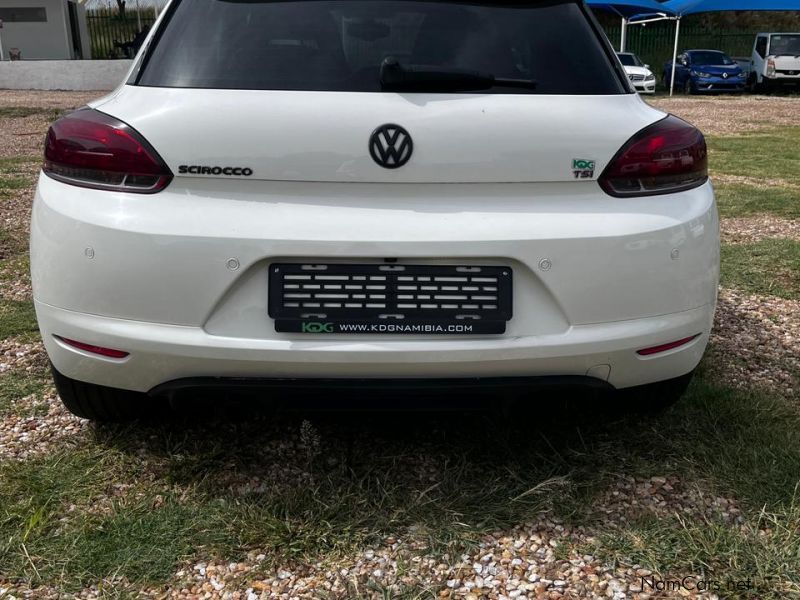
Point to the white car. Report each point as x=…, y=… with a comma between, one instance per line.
x=639, y=73
x=775, y=61
x=389, y=192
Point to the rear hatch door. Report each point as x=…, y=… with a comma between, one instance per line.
x=327, y=136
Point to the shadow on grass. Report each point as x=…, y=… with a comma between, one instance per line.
x=311, y=480
x=325, y=478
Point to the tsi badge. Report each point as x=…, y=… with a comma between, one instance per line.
x=583, y=168
x=317, y=328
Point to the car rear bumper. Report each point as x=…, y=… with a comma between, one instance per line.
x=179, y=279
x=164, y=353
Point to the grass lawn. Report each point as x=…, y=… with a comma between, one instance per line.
x=770, y=268
x=16, y=173
x=743, y=200
x=710, y=488
x=758, y=172
x=769, y=154
x=20, y=112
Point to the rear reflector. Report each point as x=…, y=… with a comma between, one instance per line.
x=665, y=347
x=90, y=149
x=91, y=348
x=667, y=157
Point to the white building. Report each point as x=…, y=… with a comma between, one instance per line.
x=44, y=29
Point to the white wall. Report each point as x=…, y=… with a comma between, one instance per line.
x=87, y=75
x=38, y=40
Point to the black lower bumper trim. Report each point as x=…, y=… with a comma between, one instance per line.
x=480, y=385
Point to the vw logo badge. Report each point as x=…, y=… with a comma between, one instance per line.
x=390, y=146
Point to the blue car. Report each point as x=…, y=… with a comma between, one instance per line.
x=706, y=71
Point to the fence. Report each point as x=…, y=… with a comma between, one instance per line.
x=108, y=30
x=654, y=42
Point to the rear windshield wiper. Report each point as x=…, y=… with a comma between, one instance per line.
x=395, y=77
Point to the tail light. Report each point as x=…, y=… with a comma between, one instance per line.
x=91, y=149
x=666, y=157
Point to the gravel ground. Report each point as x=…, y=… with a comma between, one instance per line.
x=21, y=357
x=761, y=183
x=37, y=425
x=23, y=136
x=15, y=216
x=757, y=341
x=748, y=230
x=14, y=286
x=542, y=560
x=545, y=559
x=732, y=115
x=46, y=99
x=525, y=562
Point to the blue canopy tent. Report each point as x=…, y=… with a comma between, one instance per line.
x=690, y=7
x=627, y=9
x=682, y=8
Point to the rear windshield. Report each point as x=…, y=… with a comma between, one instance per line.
x=339, y=45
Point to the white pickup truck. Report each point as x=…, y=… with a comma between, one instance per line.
x=775, y=61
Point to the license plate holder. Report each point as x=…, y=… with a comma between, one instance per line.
x=390, y=299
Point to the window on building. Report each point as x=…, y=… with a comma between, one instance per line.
x=23, y=14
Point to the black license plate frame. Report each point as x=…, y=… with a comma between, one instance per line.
x=386, y=309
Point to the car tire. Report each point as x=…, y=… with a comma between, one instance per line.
x=688, y=88
x=653, y=398
x=104, y=404
x=752, y=83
